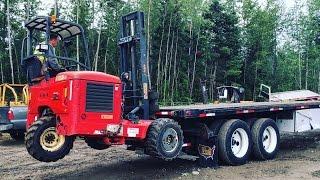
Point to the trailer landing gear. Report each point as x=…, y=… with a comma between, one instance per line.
x=44, y=144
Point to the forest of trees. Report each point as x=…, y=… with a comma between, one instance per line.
x=227, y=42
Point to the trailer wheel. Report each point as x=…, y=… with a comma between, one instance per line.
x=44, y=144
x=216, y=125
x=164, y=139
x=234, y=142
x=265, y=136
x=97, y=144
x=17, y=135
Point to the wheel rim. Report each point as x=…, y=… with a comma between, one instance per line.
x=50, y=140
x=170, y=140
x=239, y=142
x=269, y=139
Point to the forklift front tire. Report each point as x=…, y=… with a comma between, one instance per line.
x=44, y=143
x=164, y=139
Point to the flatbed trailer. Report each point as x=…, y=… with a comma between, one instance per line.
x=234, y=109
x=240, y=129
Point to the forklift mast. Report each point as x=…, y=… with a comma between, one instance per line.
x=139, y=100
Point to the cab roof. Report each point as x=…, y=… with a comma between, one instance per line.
x=62, y=28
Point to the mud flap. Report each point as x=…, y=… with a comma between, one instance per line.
x=208, y=152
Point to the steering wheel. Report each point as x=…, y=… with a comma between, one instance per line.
x=72, y=60
x=71, y=67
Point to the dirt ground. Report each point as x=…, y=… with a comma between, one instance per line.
x=298, y=158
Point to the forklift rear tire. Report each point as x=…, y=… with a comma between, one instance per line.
x=234, y=142
x=44, y=144
x=164, y=139
x=97, y=144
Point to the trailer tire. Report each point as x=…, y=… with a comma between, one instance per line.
x=17, y=135
x=97, y=144
x=164, y=139
x=234, y=142
x=266, y=138
x=44, y=144
x=216, y=125
x=251, y=121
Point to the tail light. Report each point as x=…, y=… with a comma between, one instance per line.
x=10, y=115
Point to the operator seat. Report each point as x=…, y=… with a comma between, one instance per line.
x=34, y=69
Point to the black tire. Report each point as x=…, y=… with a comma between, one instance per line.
x=216, y=125
x=17, y=135
x=33, y=144
x=157, y=131
x=261, y=152
x=251, y=121
x=225, y=146
x=97, y=144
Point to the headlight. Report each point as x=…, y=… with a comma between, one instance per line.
x=61, y=77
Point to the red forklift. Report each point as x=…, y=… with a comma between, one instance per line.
x=102, y=109
x=107, y=110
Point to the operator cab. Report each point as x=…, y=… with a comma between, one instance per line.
x=35, y=51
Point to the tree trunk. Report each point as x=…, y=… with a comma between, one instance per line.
x=149, y=44
x=300, y=72
x=105, y=56
x=307, y=71
x=244, y=71
x=255, y=82
x=211, y=83
x=9, y=42
x=27, y=8
x=166, y=62
x=214, y=77
x=78, y=52
x=159, y=76
x=98, y=48
x=170, y=64
x=17, y=62
x=194, y=66
x=190, y=57
x=2, y=79
x=174, y=68
x=176, y=80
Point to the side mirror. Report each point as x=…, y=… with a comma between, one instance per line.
x=42, y=47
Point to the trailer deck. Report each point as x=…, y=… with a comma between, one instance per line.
x=225, y=109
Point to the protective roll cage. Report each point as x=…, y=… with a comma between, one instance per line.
x=50, y=25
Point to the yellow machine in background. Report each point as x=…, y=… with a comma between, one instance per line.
x=14, y=99
x=14, y=95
